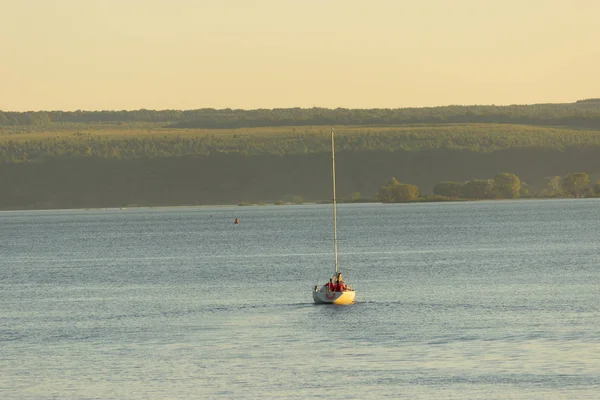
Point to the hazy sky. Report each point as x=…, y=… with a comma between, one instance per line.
x=185, y=54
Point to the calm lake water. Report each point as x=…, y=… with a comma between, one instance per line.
x=475, y=300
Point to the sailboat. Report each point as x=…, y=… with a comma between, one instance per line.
x=335, y=291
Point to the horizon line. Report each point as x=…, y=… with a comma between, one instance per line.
x=295, y=107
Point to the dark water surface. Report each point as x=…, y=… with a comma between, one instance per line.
x=477, y=300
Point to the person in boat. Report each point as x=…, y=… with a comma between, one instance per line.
x=331, y=286
x=341, y=285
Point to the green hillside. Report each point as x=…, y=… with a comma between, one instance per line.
x=102, y=159
x=132, y=142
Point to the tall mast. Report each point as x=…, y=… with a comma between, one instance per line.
x=335, y=252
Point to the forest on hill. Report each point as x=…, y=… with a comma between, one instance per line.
x=582, y=113
x=59, y=159
x=131, y=142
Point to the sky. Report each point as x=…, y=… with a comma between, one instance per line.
x=248, y=54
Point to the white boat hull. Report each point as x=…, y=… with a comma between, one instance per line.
x=327, y=297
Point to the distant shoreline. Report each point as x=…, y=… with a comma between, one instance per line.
x=235, y=206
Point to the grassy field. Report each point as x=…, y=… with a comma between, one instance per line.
x=121, y=131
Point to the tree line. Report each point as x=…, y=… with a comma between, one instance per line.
x=138, y=143
x=582, y=114
x=502, y=186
